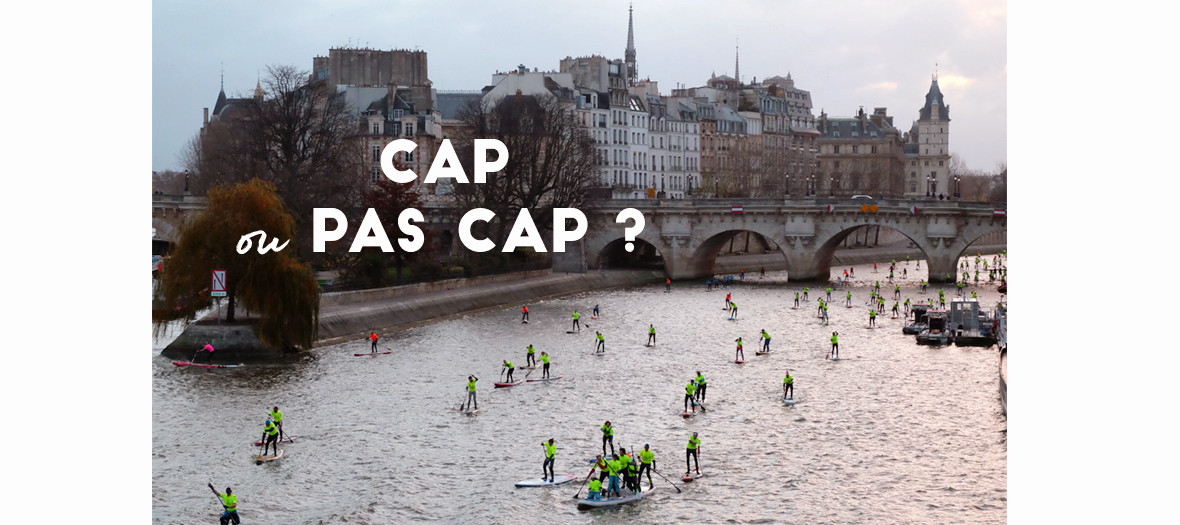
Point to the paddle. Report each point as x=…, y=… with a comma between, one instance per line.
x=666, y=479
x=584, y=483
x=259, y=454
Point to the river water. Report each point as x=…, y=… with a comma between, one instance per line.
x=894, y=432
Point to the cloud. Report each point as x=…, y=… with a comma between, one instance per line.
x=955, y=81
x=879, y=86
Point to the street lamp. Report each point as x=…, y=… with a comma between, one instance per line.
x=958, y=187
x=929, y=186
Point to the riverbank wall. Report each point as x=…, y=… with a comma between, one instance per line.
x=345, y=317
x=844, y=257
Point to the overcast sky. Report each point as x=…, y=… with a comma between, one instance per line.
x=848, y=54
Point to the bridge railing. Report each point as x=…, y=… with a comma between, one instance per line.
x=819, y=202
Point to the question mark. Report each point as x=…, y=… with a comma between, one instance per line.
x=629, y=232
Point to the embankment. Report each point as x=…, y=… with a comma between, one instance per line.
x=348, y=316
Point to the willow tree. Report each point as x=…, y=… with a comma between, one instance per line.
x=281, y=291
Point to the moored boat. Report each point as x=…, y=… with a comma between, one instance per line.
x=936, y=333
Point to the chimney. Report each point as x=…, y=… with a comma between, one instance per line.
x=206, y=116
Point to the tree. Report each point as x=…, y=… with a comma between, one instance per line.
x=299, y=136
x=388, y=199
x=277, y=287
x=999, y=191
x=550, y=161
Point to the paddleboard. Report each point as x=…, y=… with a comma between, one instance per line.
x=788, y=400
x=543, y=379
x=500, y=385
x=794, y=307
x=847, y=306
x=688, y=414
x=733, y=319
x=593, y=317
x=524, y=322
x=739, y=361
x=572, y=331
x=587, y=504
x=202, y=365
x=286, y=439
x=647, y=345
x=527, y=367
x=373, y=353
x=258, y=460
x=558, y=479
x=689, y=478
x=761, y=353
x=833, y=359
x=470, y=412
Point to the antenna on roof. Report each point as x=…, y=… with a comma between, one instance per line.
x=223, y=76
x=936, y=71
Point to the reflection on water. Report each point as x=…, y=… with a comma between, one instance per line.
x=893, y=432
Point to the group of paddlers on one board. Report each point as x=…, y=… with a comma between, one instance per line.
x=624, y=465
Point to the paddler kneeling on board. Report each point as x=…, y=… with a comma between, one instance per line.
x=229, y=501
x=508, y=364
x=270, y=434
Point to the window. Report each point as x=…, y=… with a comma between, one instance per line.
x=874, y=149
x=925, y=163
x=854, y=148
x=409, y=130
x=940, y=163
x=836, y=150
x=375, y=174
x=913, y=174
x=409, y=157
x=376, y=128
x=376, y=153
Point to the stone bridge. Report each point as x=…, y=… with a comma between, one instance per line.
x=688, y=235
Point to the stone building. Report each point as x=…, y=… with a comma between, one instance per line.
x=927, y=149
x=861, y=155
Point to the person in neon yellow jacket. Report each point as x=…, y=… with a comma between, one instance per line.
x=229, y=501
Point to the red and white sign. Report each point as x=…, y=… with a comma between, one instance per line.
x=218, y=285
x=913, y=209
x=830, y=208
x=999, y=213
x=737, y=209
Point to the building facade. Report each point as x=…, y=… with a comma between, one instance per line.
x=861, y=155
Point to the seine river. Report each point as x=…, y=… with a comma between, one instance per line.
x=894, y=432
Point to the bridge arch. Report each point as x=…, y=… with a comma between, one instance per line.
x=703, y=252
x=644, y=255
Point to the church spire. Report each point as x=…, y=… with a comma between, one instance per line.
x=629, y=54
x=737, y=54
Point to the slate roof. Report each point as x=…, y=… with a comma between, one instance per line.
x=847, y=126
x=934, y=96
x=451, y=105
